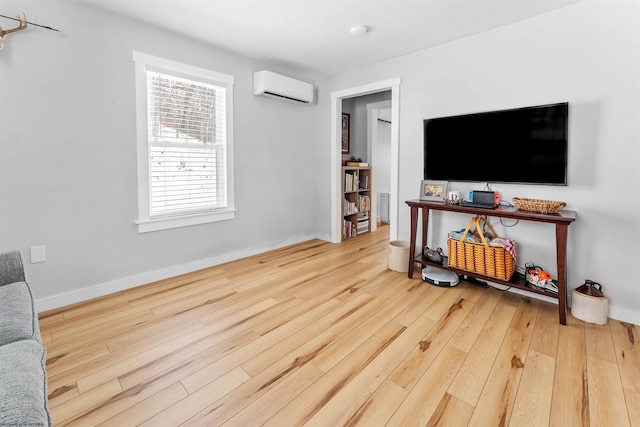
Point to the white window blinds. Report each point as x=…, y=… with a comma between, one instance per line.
x=187, y=145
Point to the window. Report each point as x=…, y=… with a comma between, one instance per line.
x=185, y=144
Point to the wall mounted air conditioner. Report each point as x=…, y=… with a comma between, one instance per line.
x=277, y=86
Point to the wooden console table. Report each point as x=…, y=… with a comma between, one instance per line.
x=561, y=221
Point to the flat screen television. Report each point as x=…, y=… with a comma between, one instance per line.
x=523, y=145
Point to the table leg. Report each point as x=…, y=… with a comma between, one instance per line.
x=412, y=240
x=561, y=259
x=425, y=227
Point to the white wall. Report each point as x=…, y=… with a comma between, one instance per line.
x=68, y=156
x=587, y=54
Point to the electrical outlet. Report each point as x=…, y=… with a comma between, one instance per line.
x=38, y=254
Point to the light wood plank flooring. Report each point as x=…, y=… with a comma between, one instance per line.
x=326, y=335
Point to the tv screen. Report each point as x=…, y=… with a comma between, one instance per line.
x=523, y=145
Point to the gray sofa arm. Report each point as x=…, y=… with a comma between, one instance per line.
x=11, y=268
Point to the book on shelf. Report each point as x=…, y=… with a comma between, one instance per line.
x=364, y=182
x=350, y=182
x=349, y=229
x=364, y=203
x=358, y=164
x=350, y=207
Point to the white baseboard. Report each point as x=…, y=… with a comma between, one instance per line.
x=624, y=315
x=95, y=291
x=325, y=237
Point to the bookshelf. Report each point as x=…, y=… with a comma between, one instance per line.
x=356, y=201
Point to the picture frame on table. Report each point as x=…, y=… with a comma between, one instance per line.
x=433, y=191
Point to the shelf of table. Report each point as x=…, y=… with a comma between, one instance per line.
x=515, y=281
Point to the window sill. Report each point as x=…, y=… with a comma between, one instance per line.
x=157, y=224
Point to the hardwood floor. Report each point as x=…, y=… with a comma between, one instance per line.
x=325, y=335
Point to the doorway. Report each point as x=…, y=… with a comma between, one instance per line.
x=336, y=154
x=379, y=146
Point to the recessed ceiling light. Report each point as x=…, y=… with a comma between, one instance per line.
x=359, y=30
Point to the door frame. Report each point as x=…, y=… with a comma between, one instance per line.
x=336, y=153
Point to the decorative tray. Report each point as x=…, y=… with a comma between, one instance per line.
x=538, y=206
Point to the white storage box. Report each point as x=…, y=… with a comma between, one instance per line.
x=591, y=309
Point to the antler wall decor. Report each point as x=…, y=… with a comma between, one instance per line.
x=21, y=26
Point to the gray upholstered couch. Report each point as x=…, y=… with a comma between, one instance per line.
x=23, y=377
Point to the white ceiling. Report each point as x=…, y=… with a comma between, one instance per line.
x=312, y=36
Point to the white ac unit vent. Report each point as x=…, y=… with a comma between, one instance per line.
x=277, y=86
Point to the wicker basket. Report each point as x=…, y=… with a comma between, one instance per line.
x=481, y=258
x=538, y=206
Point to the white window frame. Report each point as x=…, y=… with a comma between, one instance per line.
x=145, y=222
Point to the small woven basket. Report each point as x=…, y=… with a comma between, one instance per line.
x=538, y=206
